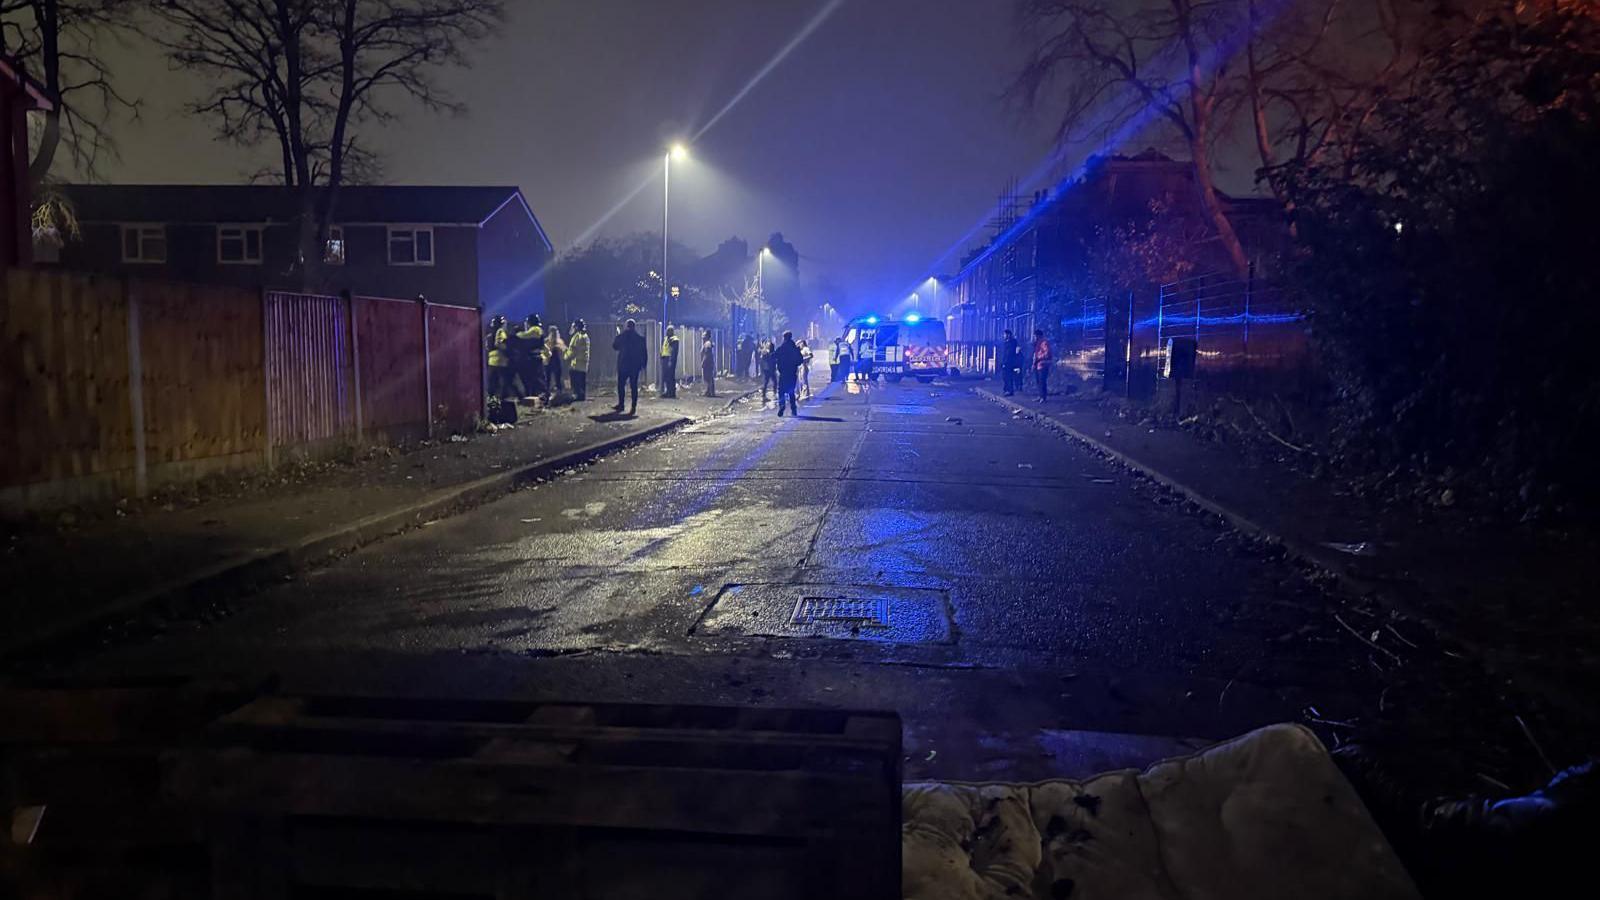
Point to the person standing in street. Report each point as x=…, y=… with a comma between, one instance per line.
x=578, y=360
x=708, y=364
x=805, y=368
x=557, y=351
x=769, y=375
x=741, y=357
x=1043, y=360
x=630, y=347
x=787, y=361
x=834, y=351
x=500, y=370
x=846, y=361
x=669, y=365
x=1008, y=363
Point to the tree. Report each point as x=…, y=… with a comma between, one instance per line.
x=306, y=74
x=1446, y=254
x=1314, y=74
x=59, y=41
x=1126, y=64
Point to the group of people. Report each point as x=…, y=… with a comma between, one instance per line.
x=527, y=359
x=631, y=360
x=1039, y=363
x=770, y=358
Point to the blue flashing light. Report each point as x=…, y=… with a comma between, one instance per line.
x=872, y=320
x=913, y=318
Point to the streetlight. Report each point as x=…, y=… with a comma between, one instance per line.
x=933, y=281
x=761, y=284
x=680, y=153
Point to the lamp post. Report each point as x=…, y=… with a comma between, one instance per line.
x=761, y=285
x=933, y=281
x=678, y=152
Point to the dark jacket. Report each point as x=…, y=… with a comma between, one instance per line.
x=630, y=352
x=764, y=360
x=787, y=359
x=1008, y=353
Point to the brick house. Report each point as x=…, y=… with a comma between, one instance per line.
x=470, y=246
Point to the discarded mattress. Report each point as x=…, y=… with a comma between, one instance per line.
x=1266, y=815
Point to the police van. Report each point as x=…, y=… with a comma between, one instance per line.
x=913, y=346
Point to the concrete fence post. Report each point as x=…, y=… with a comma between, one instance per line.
x=268, y=436
x=130, y=295
x=427, y=365
x=355, y=357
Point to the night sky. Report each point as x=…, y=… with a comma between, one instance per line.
x=874, y=146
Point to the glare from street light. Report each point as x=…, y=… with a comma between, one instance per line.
x=766, y=251
x=680, y=152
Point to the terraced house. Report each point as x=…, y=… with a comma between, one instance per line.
x=470, y=246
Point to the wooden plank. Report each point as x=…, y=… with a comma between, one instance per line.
x=752, y=803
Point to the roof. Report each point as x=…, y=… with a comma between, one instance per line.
x=206, y=203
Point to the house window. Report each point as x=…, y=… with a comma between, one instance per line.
x=144, y=243
x=411, y=245
x=333, y=249
x=239, y=244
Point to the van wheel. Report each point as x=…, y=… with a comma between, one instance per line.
x=925, y=379
x=894, y=379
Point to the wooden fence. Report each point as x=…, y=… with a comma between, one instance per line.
x=111, y=386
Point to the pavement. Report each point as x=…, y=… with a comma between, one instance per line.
x=220, y=538
x=1517, y=596
x=1031, y=608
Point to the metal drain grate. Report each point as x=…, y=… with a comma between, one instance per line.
x=850, y=612
x=861, y=612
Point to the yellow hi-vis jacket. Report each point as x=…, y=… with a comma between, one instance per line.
x=578, y=352
x=536, y=333
x=498, y=357
x=833, y=354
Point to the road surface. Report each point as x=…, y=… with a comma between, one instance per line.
x=1030, y=609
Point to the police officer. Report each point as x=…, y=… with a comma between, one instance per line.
x=531, y=358
x=578, y=360
x=500, y=373
x=669, y=365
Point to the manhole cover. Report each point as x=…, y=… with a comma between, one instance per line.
x=840, y=611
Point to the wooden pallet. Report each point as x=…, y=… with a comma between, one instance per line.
x=312, y=795
x=80, y=788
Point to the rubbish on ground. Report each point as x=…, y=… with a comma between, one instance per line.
x=1024, y=465
x=954, y=419
x=1101, y=481
x=458, y=439
x=1359, y=548
x=1365, y=640
x=930, y=756
x=529, y=521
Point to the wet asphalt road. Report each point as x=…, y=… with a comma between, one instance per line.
x=1030, y=609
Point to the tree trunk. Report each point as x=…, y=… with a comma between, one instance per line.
x=1200, y=153
x=50, y=63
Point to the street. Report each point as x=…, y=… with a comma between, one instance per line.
x=1030, y=609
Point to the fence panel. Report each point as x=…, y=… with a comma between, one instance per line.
x=309, y=371
x=201, y=354
x=456, y=360
x=65, y=409
x=1239, y=325
x=392, y=368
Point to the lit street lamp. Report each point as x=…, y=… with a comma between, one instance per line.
x=761, y=285
x=680, y=153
